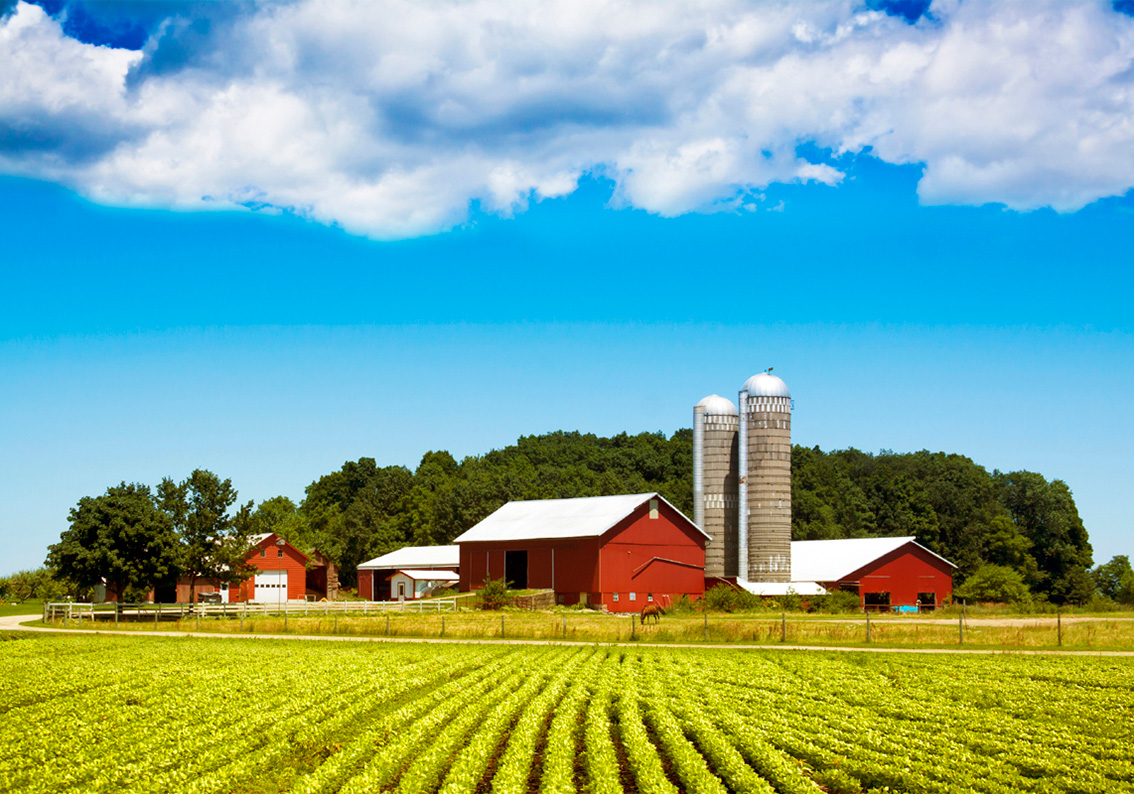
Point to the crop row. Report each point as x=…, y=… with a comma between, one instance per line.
x=145, y=715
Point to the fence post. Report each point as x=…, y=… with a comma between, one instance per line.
x=783, y=627
x=502, y=625
x=387, y=624
x=157, y=614
x=632, y=617
x=1059, y=627
x=564, y=627
x=961, y=628
x=705, y=629
x=285, y=617
x=442, y=625
x=867, y=628
x=116, y=610
x=198, y=621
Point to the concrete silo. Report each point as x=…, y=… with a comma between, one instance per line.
x=764, y=526
x=715, y=472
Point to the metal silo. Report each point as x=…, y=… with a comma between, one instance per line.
x=715, y=456
x=764, y=528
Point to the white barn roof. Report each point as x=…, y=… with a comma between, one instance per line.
x=783, y=588
x=417, y=557
x=429, y=576
x=543, y=519
x=832, y=560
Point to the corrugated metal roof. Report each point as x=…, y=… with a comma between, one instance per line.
x=417, y=557
x=831, y=560
x=783, y=588
x=544, y=519
x=431, y=576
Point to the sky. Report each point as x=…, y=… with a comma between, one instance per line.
x=264, y=239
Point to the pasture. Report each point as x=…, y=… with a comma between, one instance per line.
x=142, y=714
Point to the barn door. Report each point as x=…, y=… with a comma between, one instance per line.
x=271, y=586
x=516, y=569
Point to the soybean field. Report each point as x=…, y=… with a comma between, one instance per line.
x=139, y=714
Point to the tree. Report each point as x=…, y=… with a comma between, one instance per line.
x=994, y=583
x=40, y=583
x=213, y=544
x=1115, y=579
x=120, y=537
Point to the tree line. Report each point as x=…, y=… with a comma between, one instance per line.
x=1015, y=536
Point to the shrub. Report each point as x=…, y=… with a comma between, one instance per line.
x=494, y=594
x=994, y=583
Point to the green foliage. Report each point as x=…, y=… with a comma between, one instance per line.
x=992, y=582
x=214, y=544
x=494, y=594
x=1115, y=580
x=121, y=536
x=727, y=598
x=836, y=602
x=953, y=506
x=39, y=584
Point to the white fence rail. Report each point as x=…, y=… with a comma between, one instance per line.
x=70, y=611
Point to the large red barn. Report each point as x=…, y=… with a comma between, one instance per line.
x=616, y=551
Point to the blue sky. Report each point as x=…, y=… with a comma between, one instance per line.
x=528, y=241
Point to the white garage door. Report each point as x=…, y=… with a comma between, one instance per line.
x=271, y=586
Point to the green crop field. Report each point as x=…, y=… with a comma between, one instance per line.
x=110, y=714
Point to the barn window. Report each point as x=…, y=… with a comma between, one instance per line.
x=650, y=598
x=615, y=598
x=633, y=596
x=263, y=552
x=879, y=602
x=653, y=508
x=279, y=551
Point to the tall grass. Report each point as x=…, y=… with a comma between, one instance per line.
x=758, y=629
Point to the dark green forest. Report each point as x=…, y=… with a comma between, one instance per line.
x=1018, y=530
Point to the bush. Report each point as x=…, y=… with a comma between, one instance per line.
x=994, y=583
x=726, y=598
x=494, y=594
x=836, y=602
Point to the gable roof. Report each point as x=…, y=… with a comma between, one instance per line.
x=428, y=576
x=544, y=519
x=832, y=560
x=417, y=557
x=256, y=541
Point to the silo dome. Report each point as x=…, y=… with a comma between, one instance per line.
x=765, y=384
x=715, y=405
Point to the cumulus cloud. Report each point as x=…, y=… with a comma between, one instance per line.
x=391, y=119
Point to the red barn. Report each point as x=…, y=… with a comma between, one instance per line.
x=883, y=572
x=616, y=551
x=281, y=572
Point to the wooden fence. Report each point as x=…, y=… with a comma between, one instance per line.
x=67, y=612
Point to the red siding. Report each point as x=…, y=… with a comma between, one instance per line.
x=664, y=556
x=904, y=573
x=366, y=585
x=293, y=561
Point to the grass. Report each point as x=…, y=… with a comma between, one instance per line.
x=33, y=606
x=843, y=631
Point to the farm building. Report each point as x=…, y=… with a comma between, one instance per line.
x=281, y=572
x=408, y=584
x=374, y=575
x=883, y=572
x=615, y=551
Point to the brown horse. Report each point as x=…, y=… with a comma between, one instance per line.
x=651, y=611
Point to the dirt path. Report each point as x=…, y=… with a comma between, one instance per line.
x=12, y=623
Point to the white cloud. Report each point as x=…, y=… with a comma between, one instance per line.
x=390, y=118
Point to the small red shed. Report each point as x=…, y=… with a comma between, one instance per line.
x=281, y=572
x=884, y=572
x=619, y=552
